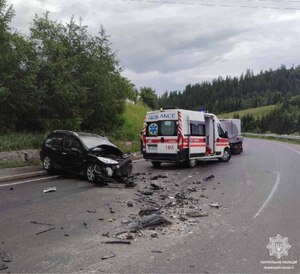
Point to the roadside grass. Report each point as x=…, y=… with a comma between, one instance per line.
x=18, y=141
x=296, y=142
x=133, y=116
x=256, y=112
x=18, y=163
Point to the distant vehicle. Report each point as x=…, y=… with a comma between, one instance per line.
x=90, y=154
x=178, y=135
x=234, y=130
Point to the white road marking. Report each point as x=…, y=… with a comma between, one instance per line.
x=29, y=181
x=295, y=150
x=270, y=196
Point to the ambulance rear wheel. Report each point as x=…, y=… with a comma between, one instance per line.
x=192, y=163
x=226, y=155
x=156, y=164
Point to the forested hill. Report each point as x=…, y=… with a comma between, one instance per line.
x=232, y=93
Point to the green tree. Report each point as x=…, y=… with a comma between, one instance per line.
x=149, y=97
x=19, y=99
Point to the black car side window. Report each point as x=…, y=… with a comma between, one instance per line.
x=72, y=142
x=55, y=141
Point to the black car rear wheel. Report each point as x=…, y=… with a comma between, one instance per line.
x=90, y=173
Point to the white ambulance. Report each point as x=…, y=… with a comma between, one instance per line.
x=178, y=135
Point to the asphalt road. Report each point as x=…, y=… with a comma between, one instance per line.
x=258, y=192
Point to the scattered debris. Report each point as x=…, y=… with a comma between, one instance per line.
x=150, y=221
x=149, y=211
x=216, y=205
x=154, y=235
x=155, y=186
x=11, y=188
x=202, y=195
x=111, y=210
x=106, y=234
x=50, y=189
x=44, y=231
x=118, y=242
x=5, y=258
x=192, y=189
x=130, y=204
x=193, y=214
x=3, y=266
x=67, y=235
x=108, y=256
x=85, y=225
x=146, y=192
x=38, y=223
x=159, y=176
x=156, y=251
x=91, y=211
x=209, y=178
x=129, y=237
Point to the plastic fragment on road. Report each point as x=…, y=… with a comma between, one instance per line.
x=50, y=189
x=39, y=223
x=215, y=205
x=108, y=256
x=44, y=231
x=91, y=211
x=195, y=214
x=117, y=242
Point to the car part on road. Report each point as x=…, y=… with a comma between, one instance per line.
x=215, y=205
x=195, y=214
x=5, y=258
x=50, y=189
x=108, y=256
x=44, y=231
x=118, y=242
x=38, y=223
x=150, y=221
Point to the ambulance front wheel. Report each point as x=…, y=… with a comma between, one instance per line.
x=226, y=155
x=156, y=164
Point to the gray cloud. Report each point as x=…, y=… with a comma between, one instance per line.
x=167, y=46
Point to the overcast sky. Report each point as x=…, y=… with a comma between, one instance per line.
x=167, y=45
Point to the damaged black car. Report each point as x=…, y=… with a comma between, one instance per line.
x=90, y=154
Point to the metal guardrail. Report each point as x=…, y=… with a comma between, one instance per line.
x=284, y=136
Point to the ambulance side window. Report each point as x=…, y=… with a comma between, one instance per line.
x=197, y=129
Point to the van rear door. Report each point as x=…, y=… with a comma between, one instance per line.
x=161, y=137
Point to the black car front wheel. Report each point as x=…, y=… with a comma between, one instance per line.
x=47, y=163
x=90, y=173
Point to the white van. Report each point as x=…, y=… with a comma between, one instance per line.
x=234, y=130
x=178, y=135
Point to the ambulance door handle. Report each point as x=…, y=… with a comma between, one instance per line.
x=162, y=139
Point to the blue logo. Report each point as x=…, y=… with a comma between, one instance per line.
x=153, y=129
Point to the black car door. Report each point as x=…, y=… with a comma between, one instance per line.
x=54, y=147
x=74, y=153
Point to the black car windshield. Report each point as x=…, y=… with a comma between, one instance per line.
x=94, y=141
